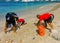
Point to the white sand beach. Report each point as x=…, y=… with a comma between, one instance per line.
x=27, y=33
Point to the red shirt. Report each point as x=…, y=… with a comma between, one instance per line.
x=21, y=20
x=44, y=16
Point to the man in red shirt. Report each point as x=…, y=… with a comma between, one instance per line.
x=46, y=18
x=21, y=22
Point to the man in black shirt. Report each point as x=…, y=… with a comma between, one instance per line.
x=11, y=19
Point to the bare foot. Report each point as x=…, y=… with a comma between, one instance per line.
x=5, y=31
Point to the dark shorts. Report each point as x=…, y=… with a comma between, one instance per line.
x=49, y=20
x=13, y=23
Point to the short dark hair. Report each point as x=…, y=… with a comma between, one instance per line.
x=37, y=16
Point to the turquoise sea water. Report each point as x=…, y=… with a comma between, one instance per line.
x=18, y=6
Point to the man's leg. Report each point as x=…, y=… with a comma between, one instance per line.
x=5, y=30
x=6, y=27
x=14, y=26
x=49, y=21
x=51, y=25
x=14, y=29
